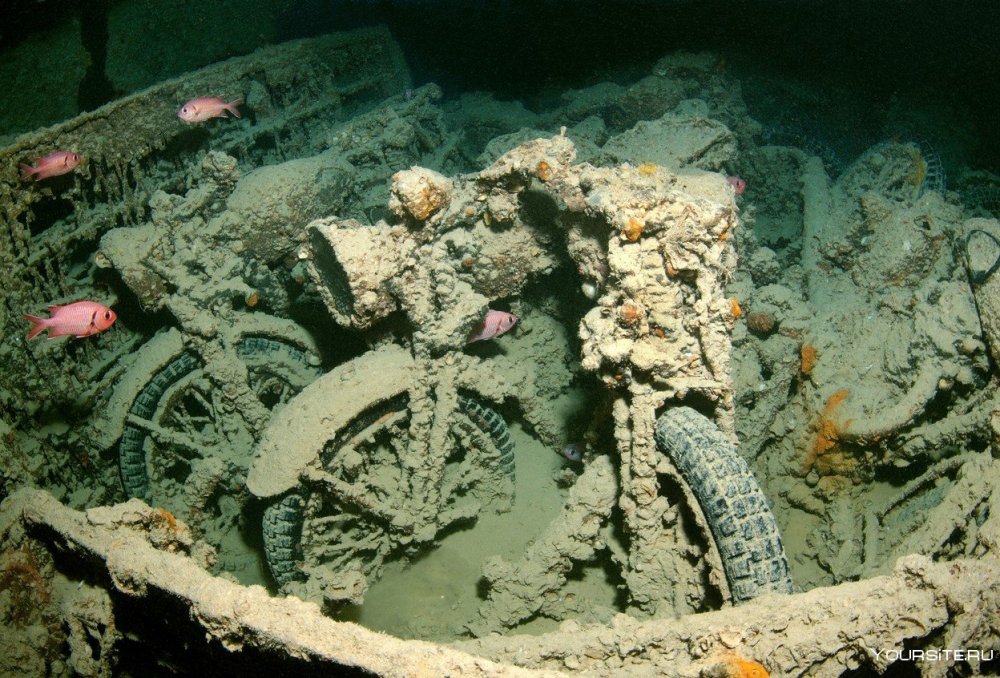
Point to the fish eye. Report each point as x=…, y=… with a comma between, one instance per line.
x=107, y=315
x=184, y=109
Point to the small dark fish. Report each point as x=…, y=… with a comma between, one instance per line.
x=573, y=451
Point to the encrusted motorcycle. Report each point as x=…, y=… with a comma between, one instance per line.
x=195, y=397
x=384, y=452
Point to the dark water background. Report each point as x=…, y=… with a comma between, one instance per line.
x=945, y=54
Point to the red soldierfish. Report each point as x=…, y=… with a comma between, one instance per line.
x=739, y=185
x=81, y=319
x=493, y=325
x=51, y=165
x=205, y=108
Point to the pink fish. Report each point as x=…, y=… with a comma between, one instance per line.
x=493, y=325
x=205, y=108
x=81, y=319
x=51, y=165
x=739, y=185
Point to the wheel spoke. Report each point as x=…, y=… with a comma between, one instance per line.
x=352, y=496
x=206, y=403
x=325, y=523
x=350, y=547
x=165, y=438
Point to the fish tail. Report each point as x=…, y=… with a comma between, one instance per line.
x=231, y=106
x=38, y=325
x=27, y=170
